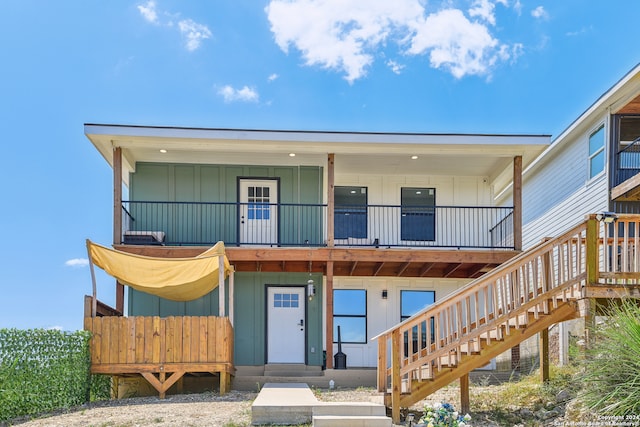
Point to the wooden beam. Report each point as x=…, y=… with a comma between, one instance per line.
x=544, y=355
x=117, y=217
x=330, y=198
x=378, y=268
x=117, y=195
x=353, y=267
x=517, y=203
x=402, y=269
x=322, y=254
x=628, y=190
x=425, y=268
x=396, y=381
x=329, y=315
x=451, y=269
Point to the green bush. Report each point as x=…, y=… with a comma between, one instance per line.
x=612, y=368
x=43, y=370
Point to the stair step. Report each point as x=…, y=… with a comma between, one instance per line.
x=349, y=409
x=351, y=421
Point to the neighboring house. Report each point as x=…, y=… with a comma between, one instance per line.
x=592, y=166
x=324, y=229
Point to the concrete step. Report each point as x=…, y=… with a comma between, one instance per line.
x=349, y=409
x=351, y=421
x=290, y=403
x=292, y=370
x=294, y=403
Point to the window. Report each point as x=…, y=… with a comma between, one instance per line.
x=411, y=302
x=418, y=221
x=285, y=301
x=350, y=219
x=258, y=198
x=596, y=152
x=350, y=313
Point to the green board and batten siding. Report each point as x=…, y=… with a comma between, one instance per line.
x=218, y=183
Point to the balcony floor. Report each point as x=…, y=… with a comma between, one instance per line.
x=396, y=262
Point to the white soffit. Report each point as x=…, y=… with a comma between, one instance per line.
x=356, y=152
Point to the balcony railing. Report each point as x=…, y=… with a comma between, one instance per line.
x=628, y=162
x=239, y=224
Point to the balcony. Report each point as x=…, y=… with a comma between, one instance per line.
x=305, y=225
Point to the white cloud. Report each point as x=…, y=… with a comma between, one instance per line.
x=540, y=13
x=517, y=6
x=394, y=66
x=77, y=262
x=273, y=77
x=148, y=11
x=483, y=9
x=194, y=33
x=346, y=35
x=456, y=44
x=339, y=34
x=245, y=94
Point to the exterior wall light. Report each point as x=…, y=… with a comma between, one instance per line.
x=311, y=289
x=606, y=217
x=384, y=294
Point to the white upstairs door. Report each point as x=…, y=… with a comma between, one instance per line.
x=286, y=325
x=259, y=211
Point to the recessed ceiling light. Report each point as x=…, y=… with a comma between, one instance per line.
x=418, y=192
x=414, y=157
x=353, y=191
x=163, y=151
x=292, y=154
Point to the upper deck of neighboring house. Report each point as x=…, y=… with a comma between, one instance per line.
x=296, y=200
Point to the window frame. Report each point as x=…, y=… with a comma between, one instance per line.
x=599, y=151
x=358, y=230
x=350, y=316
x=414, y=217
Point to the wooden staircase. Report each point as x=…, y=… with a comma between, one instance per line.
x=552, y=282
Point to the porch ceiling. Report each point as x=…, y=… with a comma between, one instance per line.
x=356, y=152
x=432, y=263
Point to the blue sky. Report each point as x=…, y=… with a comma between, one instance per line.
x=463, y=66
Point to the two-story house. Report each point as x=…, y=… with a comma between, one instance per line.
x=356, y=230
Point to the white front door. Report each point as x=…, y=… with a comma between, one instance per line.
x=286, y=325
x=258, y=211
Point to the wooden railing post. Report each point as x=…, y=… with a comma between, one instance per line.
x=396, y=381
x=592, y=252
x=592, y=265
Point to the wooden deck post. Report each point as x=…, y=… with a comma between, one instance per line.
x=330, y=199
x=517, y=203
x=329, y=319
x=465, y=405
x=593, y=264
x=544, y=355
x=117, y=217
x=396, y=381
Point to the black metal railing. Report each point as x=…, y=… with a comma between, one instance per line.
x=193, y=223
x=628, y=162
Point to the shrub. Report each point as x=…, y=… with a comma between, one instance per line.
x=43, y=370
x=612, y=366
